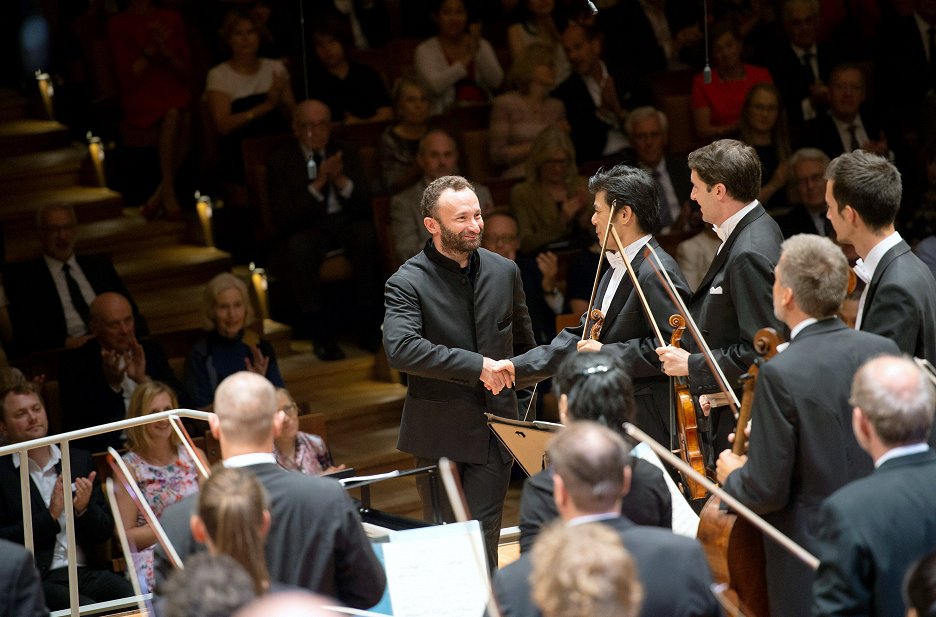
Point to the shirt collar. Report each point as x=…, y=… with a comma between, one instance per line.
x=253, y=458
x=54, y=459
x=799, y=51
x=728, y=226
x=630, y=251
x=450, y=264
x=866, y=267
x=801, y=326
x=55, y=265
x=914, y=448
x=842, y=126
x=592, y=518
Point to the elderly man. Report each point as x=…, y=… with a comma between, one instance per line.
x=808, y=214
x=872, y=530
x=97, y=380
x=24, y=419
x=49, y=297
x=320, y=204
x=452, y=311
x=315, y=540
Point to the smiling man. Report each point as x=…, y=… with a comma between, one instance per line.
x=452, y=310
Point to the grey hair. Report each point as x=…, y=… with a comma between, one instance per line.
x=897, y=397
x=816, y=269
x=642, y=113
x=590, y=459
x=809, y=154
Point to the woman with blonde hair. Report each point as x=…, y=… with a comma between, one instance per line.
x=160, y=465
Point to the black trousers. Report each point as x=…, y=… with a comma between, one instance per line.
x=93, y=586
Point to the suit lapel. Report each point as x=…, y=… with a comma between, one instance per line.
x=722, y=256
x=896, y=251
x=624, y=290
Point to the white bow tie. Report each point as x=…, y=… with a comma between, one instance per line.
x=616, y=259
x=721, y=233
x=862, y=272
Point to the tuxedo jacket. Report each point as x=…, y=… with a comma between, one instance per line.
x=648, y=502
x=439, y=324
x=315, y=540
x=671, y=568
x=802, y=448
x=35, y=307
x=870, y=532
x=626, y=334
x=901, y=303
x=91, y=528
x=20, y=589
x=735, y=300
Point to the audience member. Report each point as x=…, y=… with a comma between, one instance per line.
x=151, y=58
x=520, y=114
x=437, y=157
x=209, y=586
x=539, y=22
x=97, y=380
x=580, y=277
x=591, y=475
x=399, y=142
x=808, y=214
x=365, y=21
x=49, y=296
x=584, y=571
x=354, y=92
x=459, y=66
x=320, y=204
x=21, y=590
x=696, y=253
x=871, y=530
x=763, y=126
x=24, y=419
x=551, y=205
x=716, y=106
x=919, y=590
x=232, y=344
x=648, y=129
x=289, y=604
x=296, y=450
x=161, y=467
x=315, y=540
x=596, y=101
x=247, y=96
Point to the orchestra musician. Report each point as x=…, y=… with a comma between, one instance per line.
x=801, y=446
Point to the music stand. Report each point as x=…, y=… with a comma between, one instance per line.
x=526, y=441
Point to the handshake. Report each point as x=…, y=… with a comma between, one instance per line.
x=497, y=375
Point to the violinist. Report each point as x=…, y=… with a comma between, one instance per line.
x=629, y=198
x=733, y=300
x=801, y=446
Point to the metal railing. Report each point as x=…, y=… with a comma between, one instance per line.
x=62, y=440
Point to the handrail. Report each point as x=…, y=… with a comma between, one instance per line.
x=61, y=440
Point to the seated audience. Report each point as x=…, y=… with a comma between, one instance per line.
x=716, y=106
x=151, y=58
x=763, y=126
x=354, y=92
x=232, y=344
x=24, y=419
x=315, y=540
x=584, y=571
x=552, y=204
x=248, y=96
x=298, y=451
x=209, y=586
x=808, y=213
x=919, y=590
x=21, y=592
x=49, y=296
x=399, y=142
x=160, y=465
x=696, y=253
x=97, y=380
x=519, y=115
x=539, y=22
x=459, y=66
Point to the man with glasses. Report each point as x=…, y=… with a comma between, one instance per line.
x=808, y=215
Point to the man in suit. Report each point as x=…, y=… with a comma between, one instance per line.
x=802, y=448
x=97, y=380
x=451, y=310
x=648, y=129
x=863, y=193
x=629, y=199
x=596, y=101
x=808, y=214
x=315, y=540
x=591, y=474
x=733, y=300
x=320, y=204
x=20, y=588
x=24, y=419
x=872, y=530
x=49, y=297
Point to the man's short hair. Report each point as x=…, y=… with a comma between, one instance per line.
x=591, y=460
x=809, y=154
x=816, y=269
x=869, y=183
x=210, y=585
x=430, y=198
x=425, y=138
x=598, y=389
x=642, y=113
x=897, y=397
x=23, y=389
x=245, y=404
x=729, y=162
x=813, y=6
x=584, y=571
x=630, y=186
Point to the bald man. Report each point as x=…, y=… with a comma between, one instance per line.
x=97, y=379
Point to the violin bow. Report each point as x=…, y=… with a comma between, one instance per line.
x=639, y=290
x=775, y=534
x=601, y=254
x=188, y=444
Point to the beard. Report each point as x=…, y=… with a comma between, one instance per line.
x=458, y=243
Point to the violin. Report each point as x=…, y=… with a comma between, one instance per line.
x=597, y=318
x=690, y=449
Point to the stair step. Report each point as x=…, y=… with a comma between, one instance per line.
x=308, y=374
x=12, y=105
x=160, y=269
x=28, y=135
x=42, y=170
x=91, y=204
x=368, y=451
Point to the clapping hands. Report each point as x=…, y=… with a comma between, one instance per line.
x=497, y=375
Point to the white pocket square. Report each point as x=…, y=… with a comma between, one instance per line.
x=716, y=290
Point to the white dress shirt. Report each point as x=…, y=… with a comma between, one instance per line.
x=865, y=268
x=73, y=322
x=727, y=227
x=620, y=269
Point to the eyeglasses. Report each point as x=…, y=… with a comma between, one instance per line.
x=291, y=409
x=495, y=239
x=813, y=179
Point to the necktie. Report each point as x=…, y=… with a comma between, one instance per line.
x=666, y=214
x=853, y=137
x=808, y=71
x=77, y=299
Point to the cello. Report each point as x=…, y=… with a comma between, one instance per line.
x=685, y=421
